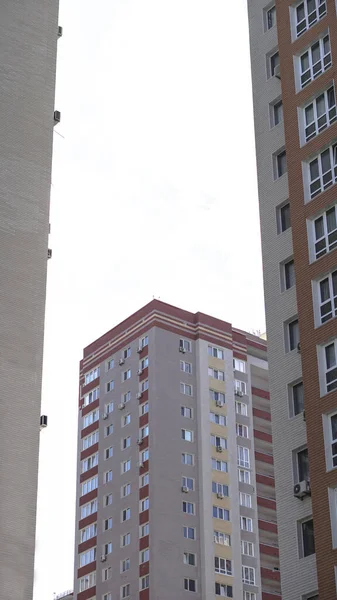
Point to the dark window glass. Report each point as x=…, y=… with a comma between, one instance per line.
x=298, y=398
x=303, y=465
x=308, y=538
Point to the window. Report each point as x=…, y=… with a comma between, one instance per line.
x=276, y=113
x=222, y=538
x=241, y=408
x=189, y=533
x=239, y=365
x=126, y=466
x=144, y=455
x=110, y=386
x=222, y=566
x=246, y=524
x=125, y=539
x=332, y=493
x=87, y=557
x=90, y=440
x=216, y=352
x=240, y=387
x=302, y=460
x=126, y=514
x=126, y=443
x=109, y=408
x=144, y=530
x=242, y=430
x=325, y=232
x=89, y=485
x=126, y=375
x=217, y=419
x=244, y=476
x=126, y=420
x=270, y=17
x=145, y=582
x=292, y=335
x=315, y=61
x=330, y=367
x=125, y=591
x=288, y=275
x=297, y=398
x=245, y=500
x=189, y=508
x=190, y=585
x=187, y=482
x=110, y=364
x=249, y=596
x=90, y=418
x=144, y=432
x=107, y=500
x=109, y=430
x=319, y=114
x=126, y=397
x=108, y=452
x=219, y=442
x=247, y=548
x=91, y=397
x=327, y=297
x=185, y=388
x=144, y=408
x=217, y=397
x=107, y=476
x=186, y=412
x=307, y=546
x=87, y=582
x=126, y=490
x=125, y=565
x=89, y=508
x=187, y=459
x=283, y=217
x=144, y=556
x=216, y=374
x=185, y=345
x=88, y=377
x=243, y=457
x=186, y=367
x=330, y=435
x=248, y=575
x=144, y=363
x=219, y=488
x=144, y=385
x=220, y=513
x=126, y=353
x=187, y=435
x=224, y=590
x=107, y=524
x=322, y=171
x=144, y=480
x=274, y=61
x=90, y=462
x=280, y=164
x=219, y=465
x=144, y=504
x=144, y=342
x=190, y=559
x=105, y=597
x=88, y=532
x=307, y=13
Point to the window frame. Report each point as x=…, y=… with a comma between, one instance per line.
x=298, y=31
x=322, y=180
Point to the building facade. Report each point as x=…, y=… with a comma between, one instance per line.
x=28, y=40
x=293, y=56
x=175, y=486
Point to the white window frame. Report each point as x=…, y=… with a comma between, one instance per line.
x=89, y=509
x=144, y=341
x=126, y=353
x=326, y=243
x=91, y=397
x=223, y=589
x=243, y=457
x=144, y=408
x=217, y=397
x=218, y=441
x=187, y=581
x=90, y=418
x=216, y=352
x=242, y=431
x=107, y=524
x=327, y=375
x=186, y=561
x=126, y=375
x=244, y=476
x=144, y=556
x=223, y=514
x=145, y=455
x=144, y=385
x=187, y=412
x=144, y=582
x=87, y=557
x=108, y=452
x=90, y=440
x=245, y=500
x=89, y=485
x=110, y=386
x=91, y=375
x=330, y=442
x=188, y=530
x=107, y=500
x=220, y=488
x=223, y=566
x=126, y=466
x=222, y=463
x=144, y=363
x=246, y=524
x=239, y=365
x=144, y=529
x=248, y=575
x=269, y=23
x=126, y=420
x=240, y=386
x=144, y=480
x=332, y=494
x=125, y=540
x=221, y=538
x=110, y=363
x=325, y=178
x=125, y=490
x=241, y=408
x=186, y=367
x=87, y=581
x=187, y=435
x=247, y=548
x=298, y=27
x=125, y=565
x=125, y=591
x=185, y=454
x=314, y=70
x=188, y=482
x=107, y=478
x=249, y=595
x=126, y=442
x=216, y=374
x=327, y=309
x=144, y=504
x=185, y=344
x=108, y=430
x=218, y=419
x=319, y=122
x=125, y=514
x=89, y=462
x=88, y=532
x=109, y=407
x=186, y=388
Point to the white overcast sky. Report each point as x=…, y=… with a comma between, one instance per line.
x=154, y=194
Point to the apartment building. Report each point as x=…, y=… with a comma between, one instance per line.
x=28, y=40
x=294, y=57
x=175, y=487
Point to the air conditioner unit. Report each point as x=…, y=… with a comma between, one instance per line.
x=139, y=441
x=239, y=393
x=277, y=72
x=105, y=416
x=121, y=406
x=184, y=489
x=43, y=421
x=139, y=395
x=139, y=349
x=50, y=253
x=59, y=31
x=220, y=495
x=219, y=402
x=219, y=448
x=182, y=349
x=103, y=558
x=140, y=464
x=121, y=361
x=140, y=371
x=57, y=116
x=302, y=489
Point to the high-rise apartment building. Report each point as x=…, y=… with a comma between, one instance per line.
x=175, y=489
x=294, y=57
x=28, y=39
